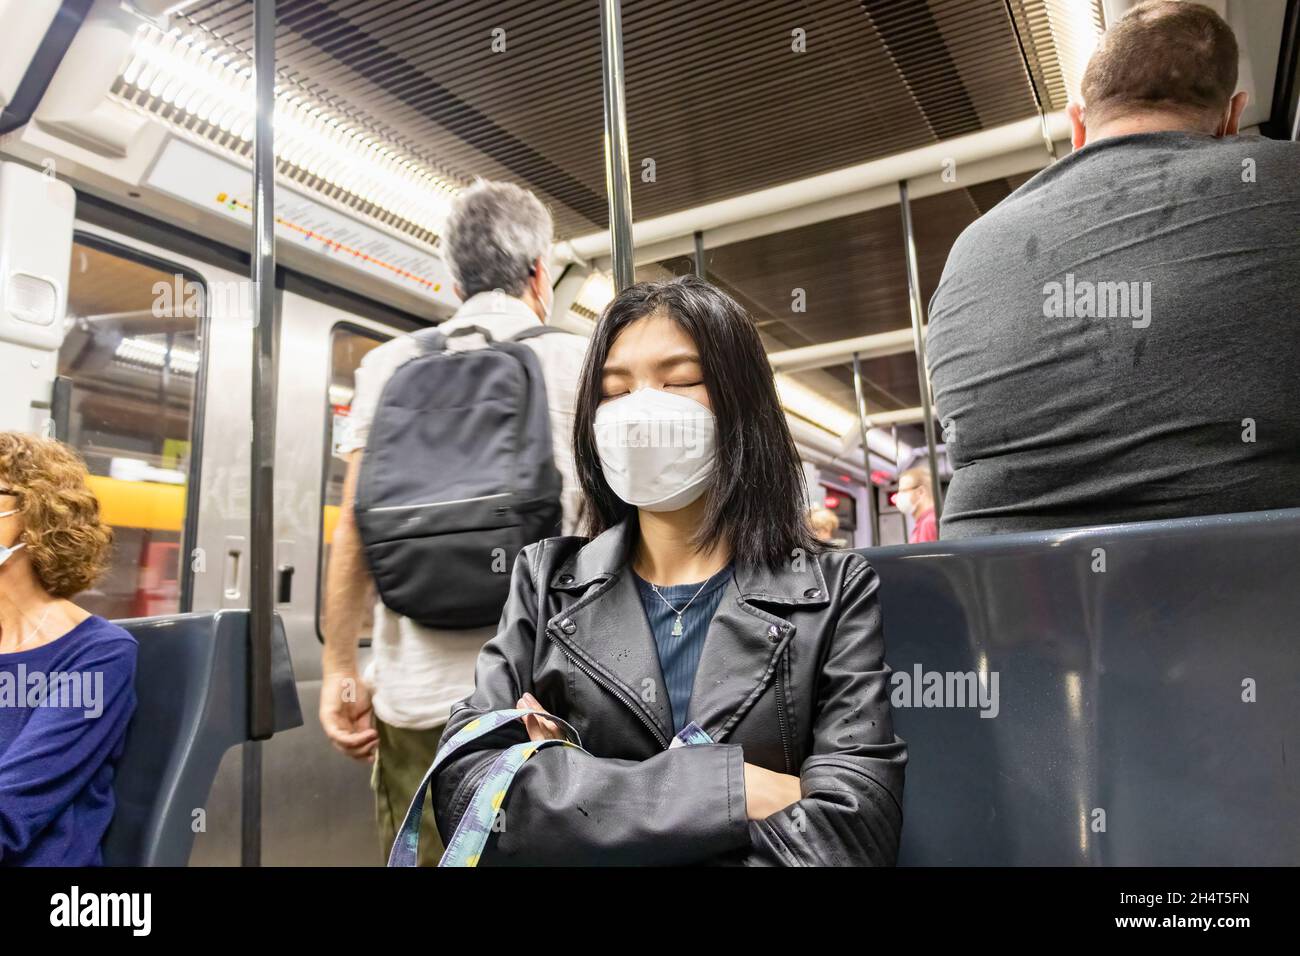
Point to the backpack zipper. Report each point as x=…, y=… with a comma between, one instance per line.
x=442, y=504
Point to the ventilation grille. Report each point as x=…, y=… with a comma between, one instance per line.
x=723, y=98
x=1057, y=36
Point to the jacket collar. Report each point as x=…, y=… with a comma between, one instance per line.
x=502, y=315
x=798, y=582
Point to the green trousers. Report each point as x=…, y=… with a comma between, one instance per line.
x=403, y=758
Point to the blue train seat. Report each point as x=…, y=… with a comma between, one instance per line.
x=192, y=684
x=1148, y=705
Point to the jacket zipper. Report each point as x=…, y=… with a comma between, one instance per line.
x=780, y=719
x=658, y=734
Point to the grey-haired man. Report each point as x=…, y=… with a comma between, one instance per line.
x=497, y=241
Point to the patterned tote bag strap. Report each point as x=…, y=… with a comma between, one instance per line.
x=476, y=825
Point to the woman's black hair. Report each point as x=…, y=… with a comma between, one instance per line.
x=757, y=499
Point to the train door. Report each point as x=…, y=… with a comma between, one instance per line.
x=317, y=805
x=154, y=391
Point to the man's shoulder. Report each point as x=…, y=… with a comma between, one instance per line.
x=388, y=356
x=560, y=348
x=561, y=339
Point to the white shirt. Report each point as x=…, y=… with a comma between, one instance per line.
x=417, y=673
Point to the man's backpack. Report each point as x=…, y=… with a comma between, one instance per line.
x=458, y=475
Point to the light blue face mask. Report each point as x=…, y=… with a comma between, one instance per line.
x=6, y=552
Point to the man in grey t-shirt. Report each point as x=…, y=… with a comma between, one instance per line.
x=1119, y=339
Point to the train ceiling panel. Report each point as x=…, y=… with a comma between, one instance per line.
x=719, y=97
x=849, y=278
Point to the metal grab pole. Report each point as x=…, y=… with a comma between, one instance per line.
x=699, y=254
x=873, y=511
x=918, y=345
x=261, y=503
x=618, y=183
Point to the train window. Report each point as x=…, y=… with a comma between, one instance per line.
x=128, y=400
x=348, y=346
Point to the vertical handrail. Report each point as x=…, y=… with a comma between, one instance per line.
x=873, y=512
x=699, y=254
x=261, y=504
x=918, y=345
x=618, y=183
x=1280, y=123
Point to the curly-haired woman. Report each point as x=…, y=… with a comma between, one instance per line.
x=66, y=676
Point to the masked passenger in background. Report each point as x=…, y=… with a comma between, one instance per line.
x=699, y=599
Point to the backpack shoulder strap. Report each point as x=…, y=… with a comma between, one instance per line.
x=430, y=340
x=535, y=330
x=433, y=339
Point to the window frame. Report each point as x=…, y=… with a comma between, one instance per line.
x=198, y=412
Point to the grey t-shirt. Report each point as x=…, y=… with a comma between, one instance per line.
x=1119, y=339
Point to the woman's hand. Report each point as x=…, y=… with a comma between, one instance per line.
x=768, y=792
x=539, y=728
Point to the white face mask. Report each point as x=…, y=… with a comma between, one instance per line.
x=656, y=449
x=903, y=501
x=6, y=553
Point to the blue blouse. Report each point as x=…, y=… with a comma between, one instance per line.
x=64, y=710
x=680, y=649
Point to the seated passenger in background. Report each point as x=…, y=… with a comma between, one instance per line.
x=700, y=598
x=67, y=677
x=497, y=242
x=915, y=498
x=824, y=524
x=1119, y=339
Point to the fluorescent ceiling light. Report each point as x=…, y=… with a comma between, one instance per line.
x=597, y=292
x=214, y=85
x=151, y=354
x=1076, y=29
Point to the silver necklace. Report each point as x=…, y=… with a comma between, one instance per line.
x=39, y=625
x=677, y=624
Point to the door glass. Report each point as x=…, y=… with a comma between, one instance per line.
x=348, y=346
x=129, y=368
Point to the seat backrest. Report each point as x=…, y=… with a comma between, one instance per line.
x=1146, y=683
x=192, y=688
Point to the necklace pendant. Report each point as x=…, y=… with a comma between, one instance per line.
x=677, y=626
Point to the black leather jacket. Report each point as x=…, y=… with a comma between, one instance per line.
x=792, y=678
